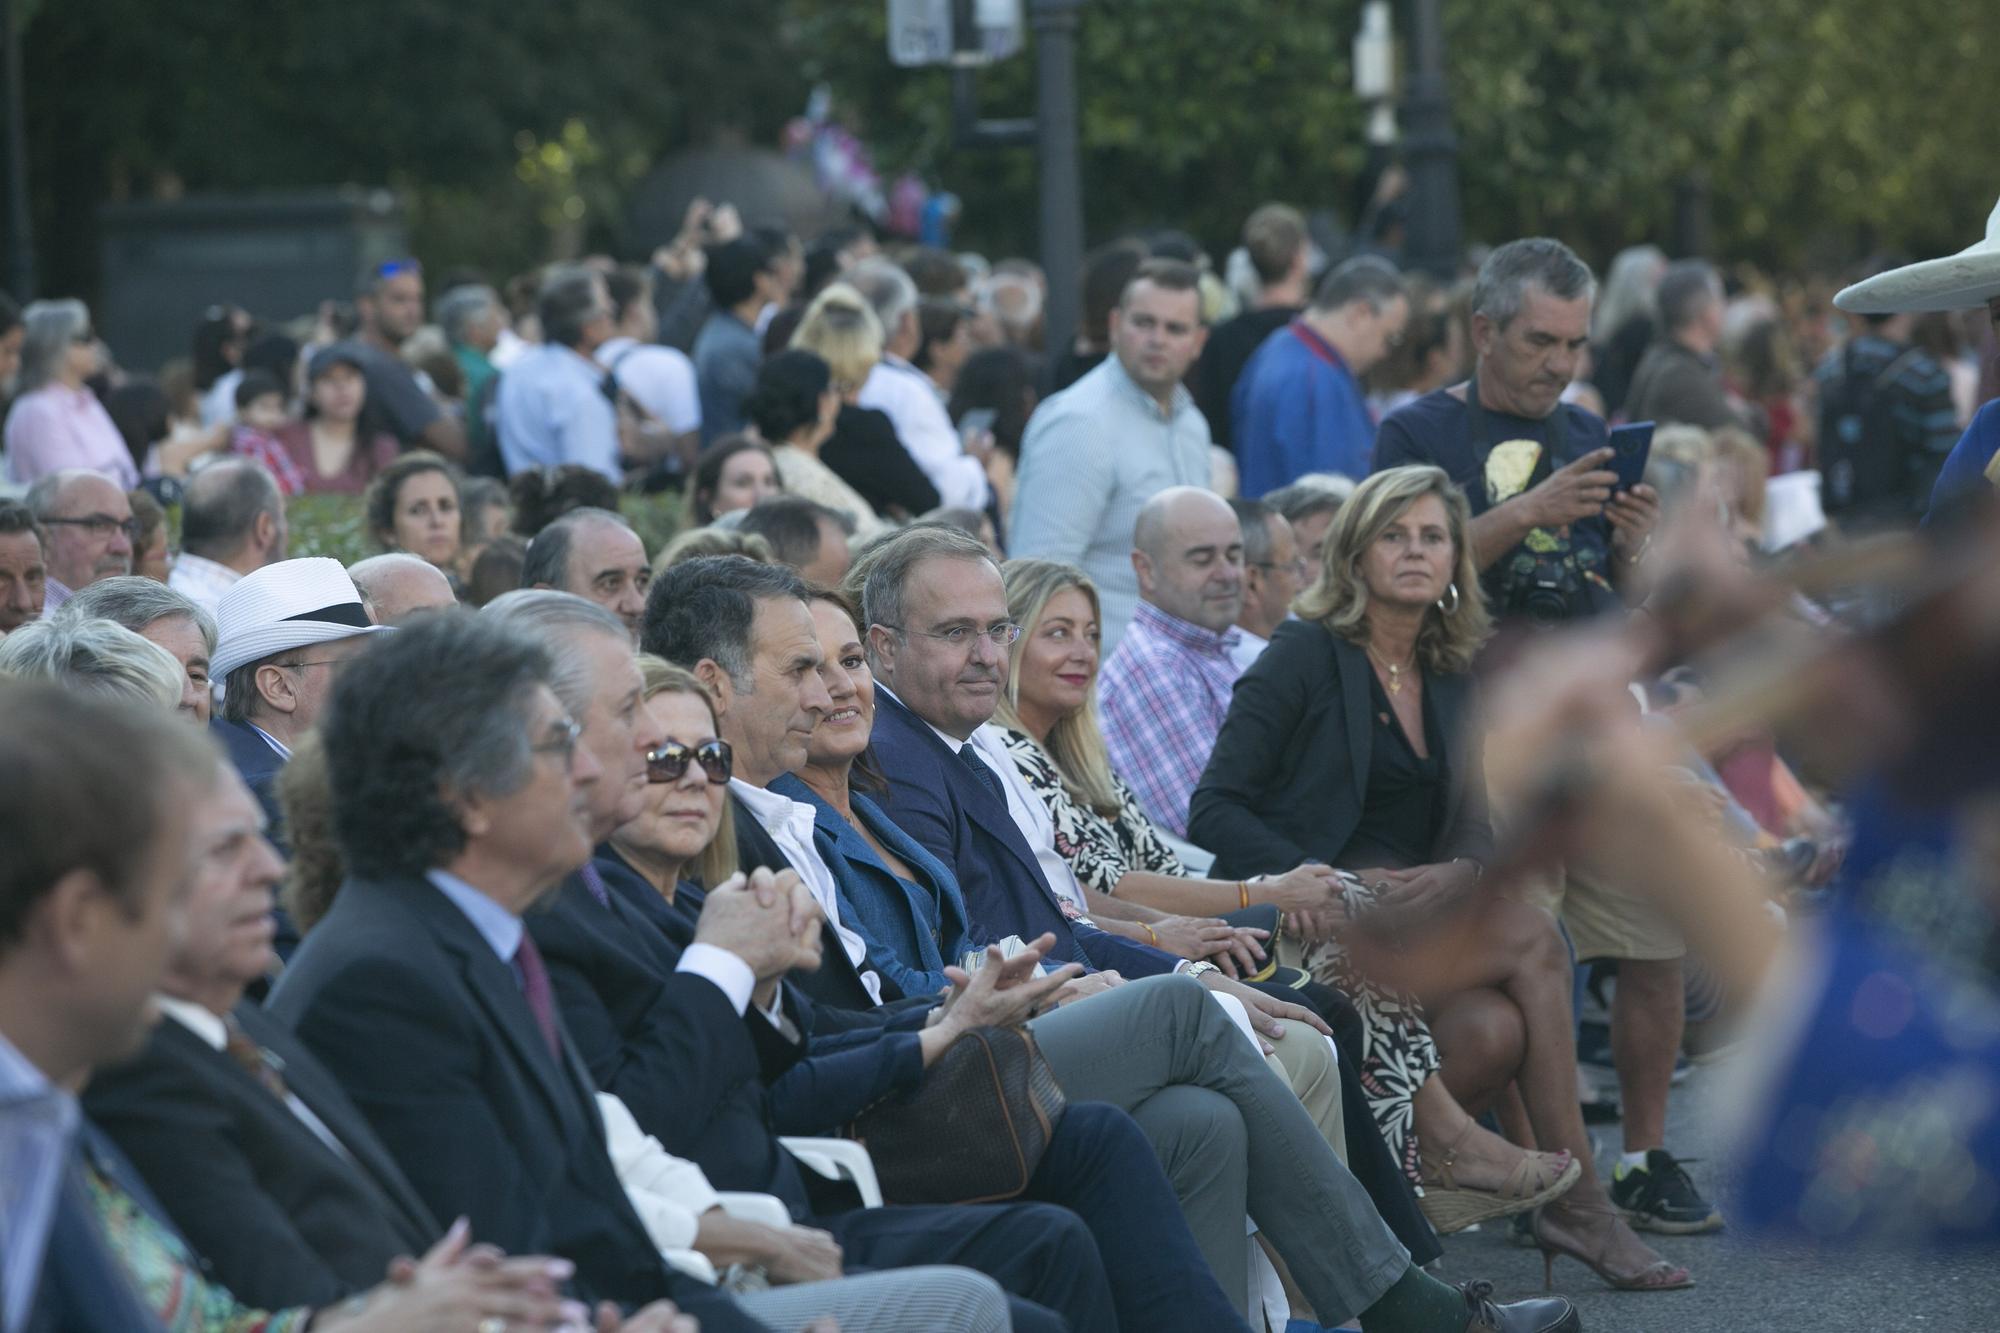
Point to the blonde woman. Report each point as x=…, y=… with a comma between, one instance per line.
x=1351, y=742
x=840, y=328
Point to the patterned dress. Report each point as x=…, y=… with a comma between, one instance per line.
x=1397, y=1052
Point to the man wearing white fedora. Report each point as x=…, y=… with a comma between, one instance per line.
x=1964, y=281
x=283, y=633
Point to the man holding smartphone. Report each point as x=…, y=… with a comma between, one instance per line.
x=1556, y=539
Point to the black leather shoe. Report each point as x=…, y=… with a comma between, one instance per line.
x=1544, y=1314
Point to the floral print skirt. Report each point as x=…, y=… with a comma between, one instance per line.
x=1397, y=1052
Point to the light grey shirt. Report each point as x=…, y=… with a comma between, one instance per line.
x=1092, y=456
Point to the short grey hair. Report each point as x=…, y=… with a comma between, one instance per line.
x=1253, y=519
x=1367, y=278
x=136, y=602
x=883, y=574
x=557, y=621
x=457, y=308
x=1538, y=261
x=222, y=503
x=1686, y=289
x=568, y=300
x=98, y=658
x=47, y=329
x=1309, y=497
x=45, y=497
x=890, y=291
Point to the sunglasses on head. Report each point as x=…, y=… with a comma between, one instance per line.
x=670, y=761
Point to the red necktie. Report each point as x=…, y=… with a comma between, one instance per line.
x=535, y=989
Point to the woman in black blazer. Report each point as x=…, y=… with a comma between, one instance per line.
x=1350, y=741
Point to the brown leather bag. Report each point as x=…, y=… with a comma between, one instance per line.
x=973, y=1131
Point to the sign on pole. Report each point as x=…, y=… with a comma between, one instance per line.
x=920, y=32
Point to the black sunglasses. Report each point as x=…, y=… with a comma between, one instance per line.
x=670, y=761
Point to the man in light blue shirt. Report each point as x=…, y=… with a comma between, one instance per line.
x=554, y=405
x=1298, y=406
x=1096, y=452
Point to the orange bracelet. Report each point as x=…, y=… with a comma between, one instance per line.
x=1243, y=893
x=1149, y=934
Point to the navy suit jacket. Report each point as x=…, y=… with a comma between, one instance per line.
x=913, y=929
x=837, y=982
x=281, y=1218
x=669, y=1045
x=405, y=1002
x=82, y=1287
x=935, y=799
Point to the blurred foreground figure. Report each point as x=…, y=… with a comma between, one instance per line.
x=1871, y=1110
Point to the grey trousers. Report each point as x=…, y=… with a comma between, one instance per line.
x=1232, y=1136
x=908, y=1300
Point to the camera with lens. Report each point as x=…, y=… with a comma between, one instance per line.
x=1540, y=581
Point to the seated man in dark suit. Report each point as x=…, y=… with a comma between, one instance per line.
x=459, y=796
x=663, y=1018
x=1227, y=1128
x=259, y=1157
x=101, y=810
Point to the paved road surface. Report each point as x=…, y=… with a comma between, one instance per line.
x=1741, y=1288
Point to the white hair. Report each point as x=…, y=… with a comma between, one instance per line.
x=100, y=658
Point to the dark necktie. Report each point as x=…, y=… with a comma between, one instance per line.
x=969, y=755
x=259, y=1063
x=595, y=883
x=535, y=989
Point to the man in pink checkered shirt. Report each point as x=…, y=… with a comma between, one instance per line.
x=1166, y=688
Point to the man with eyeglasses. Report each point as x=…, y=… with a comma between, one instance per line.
x=1298, y=406
x=1274, y=573
x=88, y=524
x=283, y=634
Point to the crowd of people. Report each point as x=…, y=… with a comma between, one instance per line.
x=1288, y=707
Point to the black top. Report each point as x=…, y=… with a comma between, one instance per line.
x=1291, y=775
x=1229, y=348
x=864, y=451
x=1437, y=429
x=1404, y=805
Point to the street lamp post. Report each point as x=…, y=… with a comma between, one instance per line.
x=19, y=238
x=1054, y=22
x=1431, y=150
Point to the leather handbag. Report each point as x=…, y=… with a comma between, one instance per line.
x=975, y=1128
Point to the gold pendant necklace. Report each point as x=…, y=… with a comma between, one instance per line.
x=1395, y=671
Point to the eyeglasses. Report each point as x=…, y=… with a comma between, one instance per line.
x=83, y=337
x=961, y=636
x=317, y=661
x=670, y=762
x=562, y=741
x=102, y=525
x=1298, y=568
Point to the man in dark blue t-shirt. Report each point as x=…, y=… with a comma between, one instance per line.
x=1557, y=544
x=1553, y=540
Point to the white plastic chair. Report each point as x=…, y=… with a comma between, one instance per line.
x=839, y=1159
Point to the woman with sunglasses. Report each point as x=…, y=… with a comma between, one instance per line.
x=684, y=833
x=913, y=917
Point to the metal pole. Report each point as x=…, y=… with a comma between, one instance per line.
x=1431, y=148
x=20, y=245
x=1054, y=24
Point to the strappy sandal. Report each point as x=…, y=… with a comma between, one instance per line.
x=1536, y=1179
x=1660, y=1275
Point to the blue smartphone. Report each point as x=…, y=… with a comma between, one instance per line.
x=1630, y=446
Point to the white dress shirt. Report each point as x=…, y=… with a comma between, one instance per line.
x=1248, y=649
x=1031, y=816
x=790, y=824
x=900, y=391
x=209, y=1027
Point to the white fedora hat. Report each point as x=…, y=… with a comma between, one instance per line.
x=1962, y=281
x=287, y=605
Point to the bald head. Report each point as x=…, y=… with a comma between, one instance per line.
x=398, y=585
x=1187, y=549
x=233, y=513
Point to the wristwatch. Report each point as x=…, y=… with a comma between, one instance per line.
x=1197, y=970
